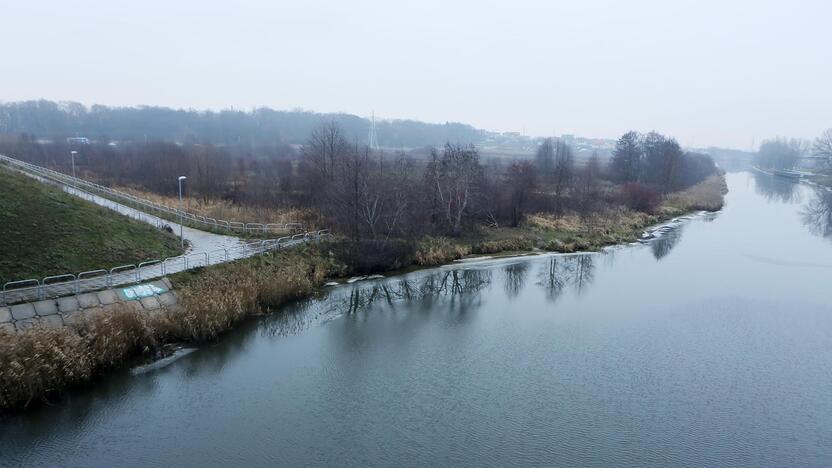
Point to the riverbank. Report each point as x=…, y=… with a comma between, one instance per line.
x=41, y=363
x=574, y=233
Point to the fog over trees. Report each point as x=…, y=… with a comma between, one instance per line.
x=382, y=202
x=47, y=119
x=822, y=148
x=657, y=161
x=780, y=153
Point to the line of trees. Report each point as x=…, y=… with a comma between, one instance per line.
x=657, y=161
x=787, y=153
x=58, y=120
x=373, y=195
x=780, y=153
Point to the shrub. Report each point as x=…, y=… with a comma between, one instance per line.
x=438, y=250
x=513, y=244
x=370, y=256
x=706, y=195
x=639, y=197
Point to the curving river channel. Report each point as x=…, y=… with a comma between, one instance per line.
x=711, y=346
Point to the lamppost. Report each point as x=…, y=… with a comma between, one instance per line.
x=181, y=239
x=72, y=154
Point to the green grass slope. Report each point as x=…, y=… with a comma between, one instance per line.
x=45, y=231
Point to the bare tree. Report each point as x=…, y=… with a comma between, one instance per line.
x=521, y=178
x=587, y=191
x=453, y=180
x=400, y=191
x=823, y=147
x=325, y=146
x=563, y=173
x=545, y=158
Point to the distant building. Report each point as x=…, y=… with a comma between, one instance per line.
x=78, y=140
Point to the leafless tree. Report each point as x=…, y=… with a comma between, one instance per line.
x=545, y=158
x=823, y=147
x=563, y=173
x=453, y=180
x=521, y=178
x=325, y=146
x=588, y=192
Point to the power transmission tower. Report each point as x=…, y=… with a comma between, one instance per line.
x=372, y=139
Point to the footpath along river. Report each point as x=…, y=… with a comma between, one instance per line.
x=711, y=346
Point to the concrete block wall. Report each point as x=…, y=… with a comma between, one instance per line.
x=150, y=297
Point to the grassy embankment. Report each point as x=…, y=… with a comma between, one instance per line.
x=42, y=362
x=46, y=231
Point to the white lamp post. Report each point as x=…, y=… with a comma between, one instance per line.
x=181, y=239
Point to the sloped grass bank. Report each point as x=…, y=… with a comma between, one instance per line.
x=46, y=231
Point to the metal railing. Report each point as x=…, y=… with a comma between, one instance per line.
x=185, y=216
x=86, y=281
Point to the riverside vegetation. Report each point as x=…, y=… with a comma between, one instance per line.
x=384, y=219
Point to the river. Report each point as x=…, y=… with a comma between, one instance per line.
x=709, y=347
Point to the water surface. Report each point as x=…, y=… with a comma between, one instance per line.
x=709, y=347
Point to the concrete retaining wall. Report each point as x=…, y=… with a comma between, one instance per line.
x=149, y=297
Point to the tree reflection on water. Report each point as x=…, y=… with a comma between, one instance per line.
x=458, y=283
x=662, y=245
x=514, y=278
x=776, y=189
x=817, y=214
x=566, y=270
x=458, y=288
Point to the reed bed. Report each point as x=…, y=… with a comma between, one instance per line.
x=224, y=209
x=41, y=362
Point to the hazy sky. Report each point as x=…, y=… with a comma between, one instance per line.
x=707, y=72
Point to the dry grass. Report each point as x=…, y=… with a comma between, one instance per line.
x=438, y=250
x=42, y=361
x=617, y=224
x=707, y=195
x=214, y=300
x=514, y=244
x=222, y=209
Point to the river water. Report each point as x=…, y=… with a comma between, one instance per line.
x=709, y=347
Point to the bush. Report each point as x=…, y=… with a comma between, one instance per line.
x=639, y=197
x=438, y=250
x=513, y=244
x=372, y=256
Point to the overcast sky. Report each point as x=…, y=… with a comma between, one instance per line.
x=707, y=72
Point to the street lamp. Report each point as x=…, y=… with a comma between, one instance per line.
x=73, y=153
x=181, y=239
